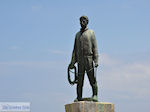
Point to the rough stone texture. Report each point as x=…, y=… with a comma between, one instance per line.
x=87, y=106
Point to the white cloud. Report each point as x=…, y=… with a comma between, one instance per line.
x=105, y=59
x=118, y=76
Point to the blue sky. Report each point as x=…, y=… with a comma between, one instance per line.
x=36, y=42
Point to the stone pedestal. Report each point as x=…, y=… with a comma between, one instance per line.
x=87, y=106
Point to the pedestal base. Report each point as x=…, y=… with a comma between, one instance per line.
x=89, y=106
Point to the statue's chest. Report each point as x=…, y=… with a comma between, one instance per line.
x=84, y=38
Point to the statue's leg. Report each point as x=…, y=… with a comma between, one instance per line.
x=81, y=71
x=93, y=82
x=91, y=77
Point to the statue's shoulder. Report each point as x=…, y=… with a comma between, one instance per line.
x=78, y=34
x=90, y=30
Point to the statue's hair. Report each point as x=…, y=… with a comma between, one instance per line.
x=85, y=18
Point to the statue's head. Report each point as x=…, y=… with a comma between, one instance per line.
x=84, y=21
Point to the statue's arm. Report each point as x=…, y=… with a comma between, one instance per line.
x=94, y=49
x=73, y=60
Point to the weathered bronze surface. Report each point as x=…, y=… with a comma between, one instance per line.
x=85, y=54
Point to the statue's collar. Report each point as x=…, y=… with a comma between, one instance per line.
x=83, y=30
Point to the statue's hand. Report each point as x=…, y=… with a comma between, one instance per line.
x=71, y=66
x=96, y=65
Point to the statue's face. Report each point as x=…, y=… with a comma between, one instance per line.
x=83, y=23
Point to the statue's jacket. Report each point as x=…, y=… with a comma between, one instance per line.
x=85, y=46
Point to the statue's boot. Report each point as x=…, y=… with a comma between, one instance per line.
x=76, y=100
x=95, y=98
x=79, y=94
x=95, y=89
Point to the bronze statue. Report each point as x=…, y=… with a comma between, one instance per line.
x=85, y=54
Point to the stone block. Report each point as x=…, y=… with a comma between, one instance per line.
x=89, y=106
